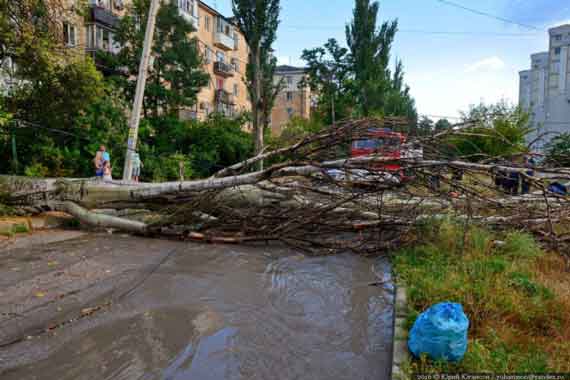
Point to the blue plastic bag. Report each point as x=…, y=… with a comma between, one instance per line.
x=558, y=188
x=440, y=332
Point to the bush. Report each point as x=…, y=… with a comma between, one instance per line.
x=36, y=170
x=558, y=151
x=204, y=147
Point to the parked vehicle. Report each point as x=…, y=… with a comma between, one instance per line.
x=385, y=143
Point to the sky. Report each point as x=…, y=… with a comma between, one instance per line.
x=453, y=58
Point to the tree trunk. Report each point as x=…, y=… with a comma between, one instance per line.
x=257, y=109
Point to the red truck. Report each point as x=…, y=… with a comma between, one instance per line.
x=383, y=142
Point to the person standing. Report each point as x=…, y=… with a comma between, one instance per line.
x=98, y=162
x=137, y=165
x=107, y=171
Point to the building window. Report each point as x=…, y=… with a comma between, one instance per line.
x=219, y=84
x=290, y=112
x=69, y=34
x=289, y=96
x=557, y=51
x=207, y=22
x=558, y=37
x=223, y=27
x=102, y=38
x=235, y=64
x=186, y=6
x=236, y=89
x=290, y=81
x=236, y=41
x=220, y=56
x=208, y=55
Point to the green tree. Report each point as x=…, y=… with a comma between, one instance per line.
x=370, y=56
x=258, y=21
x=329, y=76
x=399, y=101
x=496, y=131
x=269, y=90
x=31, y=34
x=176, y=75
x=203, y=147
x=442, y=125
x=425, y=126
x=558, y=151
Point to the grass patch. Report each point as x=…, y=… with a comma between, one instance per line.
x=516, y=297
x=10, y=229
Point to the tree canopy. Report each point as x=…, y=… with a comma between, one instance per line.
x=357, y=81
x=493, y=132
x=176, y=76
x=258, y=20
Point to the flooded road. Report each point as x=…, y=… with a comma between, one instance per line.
x=223, y=312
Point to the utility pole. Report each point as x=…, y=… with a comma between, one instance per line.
x=139, y=94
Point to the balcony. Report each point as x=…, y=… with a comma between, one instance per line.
x=223, y=69
x=194, y=20
x=225, y=109
x=224, y=41
x=103, y=16
x=224, y=97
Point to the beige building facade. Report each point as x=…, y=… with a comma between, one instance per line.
x=223, y=48
x=294, y=99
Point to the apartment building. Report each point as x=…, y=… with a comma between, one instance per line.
x=225, y=54
x=222, y=45
x=294, y=99
x=544, y=90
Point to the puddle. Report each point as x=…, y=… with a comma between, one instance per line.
x=236, y=313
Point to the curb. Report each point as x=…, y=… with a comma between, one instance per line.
x=400, y=353
x=11, y=226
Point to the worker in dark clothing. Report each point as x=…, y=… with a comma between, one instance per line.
x=513, y=183
x=525, y=181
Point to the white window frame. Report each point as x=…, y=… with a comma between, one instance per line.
x=70, y=34
x=207, y=22
x=220, y=56
x=235, y=64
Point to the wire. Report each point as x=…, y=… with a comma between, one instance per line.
x=489, y=15
x=419, y=31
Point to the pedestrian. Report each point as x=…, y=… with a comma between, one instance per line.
x=137, y=165
x=529, y=163
x=107, y=171
x=98, y=162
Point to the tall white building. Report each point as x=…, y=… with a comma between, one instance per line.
x=544, y=90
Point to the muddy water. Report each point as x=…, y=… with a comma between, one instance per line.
x=217, y=313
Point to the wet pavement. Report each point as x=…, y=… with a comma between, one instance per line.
x=136, y=308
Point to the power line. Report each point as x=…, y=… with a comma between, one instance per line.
x=419, y=31
x=489, y=15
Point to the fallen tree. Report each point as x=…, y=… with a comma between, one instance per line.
x=312, y=197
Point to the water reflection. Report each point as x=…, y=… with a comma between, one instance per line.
x=247, y=313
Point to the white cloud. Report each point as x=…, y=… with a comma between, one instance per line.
x=487, y=64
